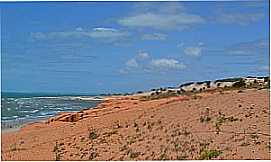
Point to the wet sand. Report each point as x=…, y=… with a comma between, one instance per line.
x=211, y=125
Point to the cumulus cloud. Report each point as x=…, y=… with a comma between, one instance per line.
x=163, y=16
x=107, y=33
x=240, y=18
x=165, y=63
x=159, y=7
x=79, y=29
x=180, y=45
x=142, y=62
x=96, y=33
x=136, y=61
x=143, y=55
x=154, y=36
x=132, y=63
x=161, y=21
x=105, y=29
x=193, y=51
x=259, y=46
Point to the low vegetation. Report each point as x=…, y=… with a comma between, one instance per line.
x=93, y=154
x=205, y=118
x=239, y=84
x=134, y=154
x=92, y=134
x=56, y=150
x=207, y=154
x=13, y=147
x=222, y=119
x=156, y=96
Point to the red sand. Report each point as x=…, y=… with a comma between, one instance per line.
x=228, y=125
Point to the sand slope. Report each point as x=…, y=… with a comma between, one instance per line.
x=228, y=125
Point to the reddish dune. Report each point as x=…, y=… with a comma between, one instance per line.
x=214, y=125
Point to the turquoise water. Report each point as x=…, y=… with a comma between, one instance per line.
x=19, y=108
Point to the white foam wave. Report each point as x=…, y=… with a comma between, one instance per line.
x=94, y=98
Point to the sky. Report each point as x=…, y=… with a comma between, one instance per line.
x=111, y=47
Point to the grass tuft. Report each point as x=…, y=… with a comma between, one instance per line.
x=92, y=134
x=209, y=154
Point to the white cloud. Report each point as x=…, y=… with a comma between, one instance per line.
x=96, y=33
x=136, y=61
x=79, y=29
x=239, y=18
x=159, y=7
x=180, y=45
x=160, y=15
x=164, y=63
x=123, y=71
x=171, y=7
x=106, y=33
x=161, y=21
x=132, y=63
x=105, y=29
x=143, y=55
x=193, y=51
x=201, y=43
x=259, y=46
x=142, y=63
x=154, y=36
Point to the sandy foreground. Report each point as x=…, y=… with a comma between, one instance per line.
x=213, y=125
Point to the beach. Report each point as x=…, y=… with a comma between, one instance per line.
x=211, y=125
x=18, y=109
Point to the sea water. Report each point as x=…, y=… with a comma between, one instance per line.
x=20, y=108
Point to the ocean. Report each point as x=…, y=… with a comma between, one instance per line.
x=20, y=108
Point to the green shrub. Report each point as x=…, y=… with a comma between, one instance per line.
x=92, y=134
x=209, y=154
x=182, y=157
x=92, y=155
x=134, y=154
x=239, y=84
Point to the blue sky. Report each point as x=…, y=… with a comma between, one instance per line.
x=102, y=47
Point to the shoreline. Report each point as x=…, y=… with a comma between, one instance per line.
x=10, y=130
x=16, y=125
